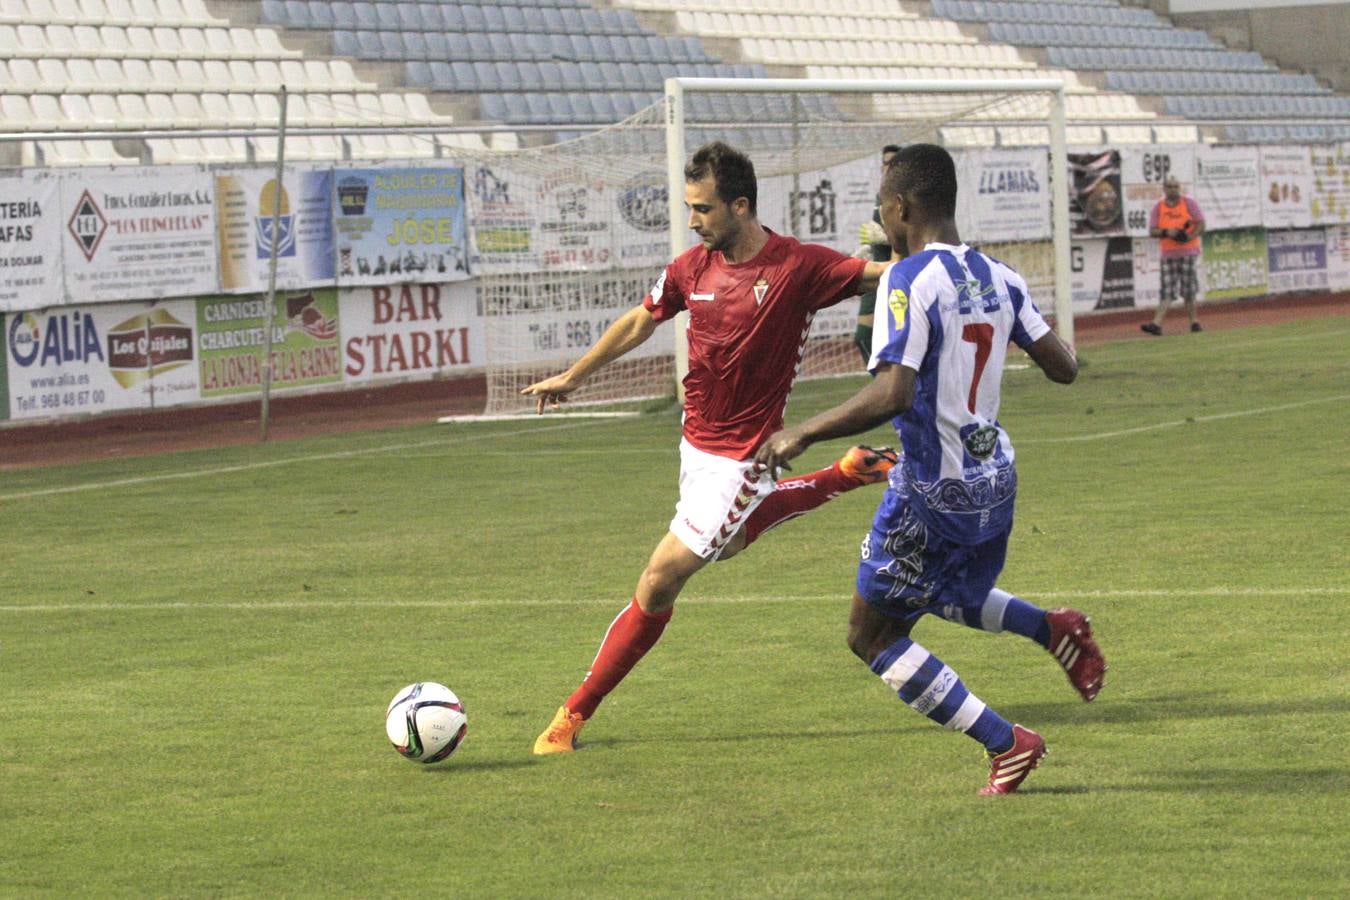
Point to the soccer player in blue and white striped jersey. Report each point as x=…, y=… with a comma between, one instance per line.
x=945, y=318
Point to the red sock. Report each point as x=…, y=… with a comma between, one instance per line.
x=631, y=634
x=794, y=497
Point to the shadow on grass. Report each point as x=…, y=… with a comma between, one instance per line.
x=882, y=728
x=1208, y=705
x=1321, y=782
x=482, y=765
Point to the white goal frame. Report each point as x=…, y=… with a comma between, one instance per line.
x=675, y=89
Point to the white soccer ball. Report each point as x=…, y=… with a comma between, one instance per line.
x=426, y=722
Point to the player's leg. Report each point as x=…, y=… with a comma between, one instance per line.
x=1066, y=633
x=902, y=566
x=715, y=495
x=634, y=631
x=793, y=497
x=1166, y=294
x=1189, y=286
x=972, y=600
x=931, y=687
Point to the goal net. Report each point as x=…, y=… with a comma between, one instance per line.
x=569, y=236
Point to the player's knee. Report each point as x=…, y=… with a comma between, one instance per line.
x=662, y=584
x=862, y=645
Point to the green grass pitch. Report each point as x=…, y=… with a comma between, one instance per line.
x=196, y=651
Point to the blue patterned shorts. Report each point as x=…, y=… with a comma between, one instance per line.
x=907, y=570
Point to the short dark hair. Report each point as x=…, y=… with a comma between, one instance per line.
x=731, y=169
x=890, y=148
x=925, y=173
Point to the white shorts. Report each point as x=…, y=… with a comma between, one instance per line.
x=717, y=495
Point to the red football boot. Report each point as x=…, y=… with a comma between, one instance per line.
x=1071, y=644
x=1010, y=768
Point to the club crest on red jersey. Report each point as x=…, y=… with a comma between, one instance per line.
x=761, y=288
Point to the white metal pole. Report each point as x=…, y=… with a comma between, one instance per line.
x=1059, y=218
x=675, y=206
x=269, y=312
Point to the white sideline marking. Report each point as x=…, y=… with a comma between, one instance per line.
x=269, y=464
x=525, y=417
x=418, y=445
x=1194, y=420
x=616, y=599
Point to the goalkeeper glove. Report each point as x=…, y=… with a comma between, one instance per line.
x=871, y=233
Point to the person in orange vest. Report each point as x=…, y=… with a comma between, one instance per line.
x=1178, y=223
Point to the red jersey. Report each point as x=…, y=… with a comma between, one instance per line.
x=747, y=330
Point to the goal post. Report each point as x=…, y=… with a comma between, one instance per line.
x=566, y=237
x=890, y=112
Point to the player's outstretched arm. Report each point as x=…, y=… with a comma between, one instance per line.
x=887, y=395
x=1056, y=360
x=871, y=277
x=627, y=332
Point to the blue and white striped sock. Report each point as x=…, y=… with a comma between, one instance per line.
x=999, y=611
x=932, y=688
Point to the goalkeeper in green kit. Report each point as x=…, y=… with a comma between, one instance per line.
x=873, y=247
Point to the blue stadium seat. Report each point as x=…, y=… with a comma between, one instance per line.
x=456, y=76
x=552, y=73
x=473, y=18
x=321, y=16
x=506, y=75
x=452, y=17
x=513, y=19
x=414, y=45
x=345, y=44
x=405, y=17
x=500, y=44
x=551, y=21
x=367, y=18
x=344, y=17
x=391, y=45
x=484, y=75
x=419, y=74
x=540, y=48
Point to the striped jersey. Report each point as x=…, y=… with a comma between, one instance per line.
x=949, y=312
x=748, y=325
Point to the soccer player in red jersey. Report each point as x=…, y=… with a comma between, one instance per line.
x=751, y=295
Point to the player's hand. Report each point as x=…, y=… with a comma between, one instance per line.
x=781, y=446
x=551, y=392
x=871, y=233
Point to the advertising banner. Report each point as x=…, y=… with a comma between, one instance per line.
x=86, y=359
x=1331, y=184
x=137, y=233
x=1147, y=272
x=1297, y=260
x=1338, y=257
x=561, y=218
x=231, y=341
x=1095, y=208
x=1102, y=274
x=401, y=225
x=1233, y=264
x=1228, y=186
x=644, y=219
x=408, y=330
x=4, y=372
x=1286, y=187
x=557, y=317
x=823, y=206
x=30, y=240
x=1142, y=172
x=1004, y=196
x=246, y=213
